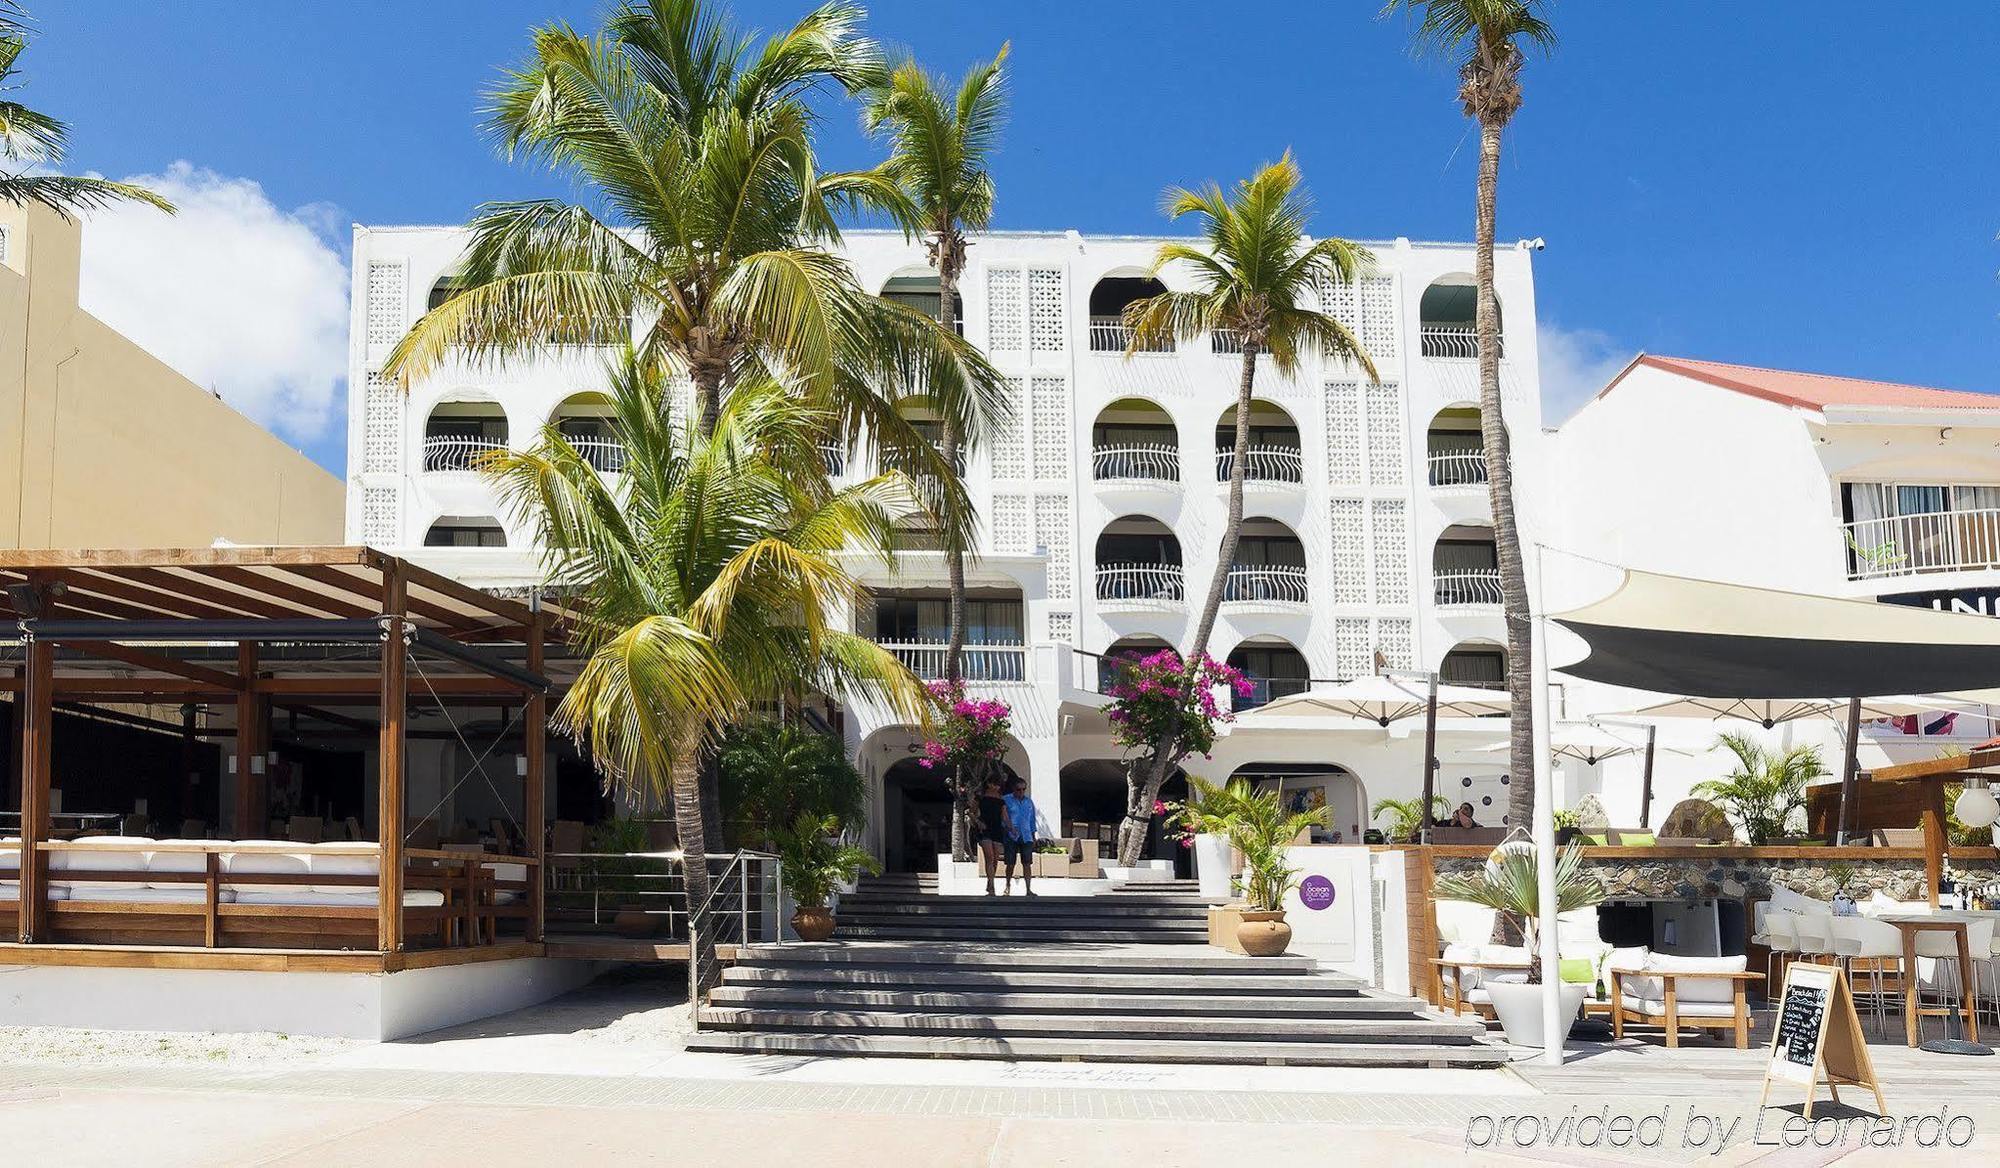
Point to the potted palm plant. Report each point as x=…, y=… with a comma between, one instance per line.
x=814, y=862
x=1263, y=830
x=1204, y=821
x=1509, y=884
x=1766, y=789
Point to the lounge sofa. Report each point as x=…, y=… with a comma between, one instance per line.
x=1671, y=992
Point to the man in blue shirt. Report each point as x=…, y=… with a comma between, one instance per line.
x=1021, y=819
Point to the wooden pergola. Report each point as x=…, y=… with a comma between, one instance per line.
x=1935, y=773
x=261, y=628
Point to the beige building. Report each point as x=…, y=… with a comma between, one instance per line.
x=103, y=445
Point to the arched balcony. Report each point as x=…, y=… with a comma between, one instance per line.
x=463, y=531
x=1448, y=315
x=586, y=422
x=1120, y=655
x=1108, y=300
x=1475, y=663
x=1133, y=442
x=1269, y=570
x=458, y=435
x=919, y=291
x=915, y=626
x=1456, y=450
x=1139, y=565
x=1276, y=457
x=1465, y=568
x=1274, y=667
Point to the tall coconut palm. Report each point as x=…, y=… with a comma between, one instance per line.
x=939, y=150
x=709, y=580
x=1256, y=275
x=705, y=219
x=31, y=140
x=1488, y=40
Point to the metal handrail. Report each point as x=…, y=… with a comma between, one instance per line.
x=702, y=918
x=1265, y=584
x=1110, y=334
x=1467, y=586
x=1929, y=541
x=1154, y=462
x=605, y=455
x=1264, y=464
x=1165, y=583
x=977, y=661
x=1456, y=342
x=443, y=453
x=1458, y=468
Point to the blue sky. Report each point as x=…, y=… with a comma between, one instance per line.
x=1804, y=186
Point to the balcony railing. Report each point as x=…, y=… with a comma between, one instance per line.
x=1225, y=342
x=1263, y=689
x=1264, y=464
x=1937, y=541
x=1458, y=468
x=975, y=663
x=605, y=455
x=458, y=454
x=1154, y=583
x=1467, y=586
x=1265, y=584
x=1110, y=334
x=1156, y=463
x=834, y=455
x=1456, y=342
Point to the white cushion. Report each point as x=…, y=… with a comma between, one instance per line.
x=147, y=894
x=1463, y=923
x=353, y=898
x=323, y=864
x=119, y=853
x=238, y=864
x=1690, y=989
x=1578, y=925
x=515, y=872
x=194, y=863
x=1879, y=905
x=11, y=890
x=10, y=854
x=1683, y=1007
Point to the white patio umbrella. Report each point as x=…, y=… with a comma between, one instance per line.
x=1583, y=741
x=1769, y=712
x=1383, y=700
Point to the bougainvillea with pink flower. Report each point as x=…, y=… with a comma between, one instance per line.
x=1152, y=702
x=968, y=737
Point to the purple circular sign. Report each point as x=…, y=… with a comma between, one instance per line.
x=1316, y=893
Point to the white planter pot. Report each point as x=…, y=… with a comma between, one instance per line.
x=1211, y=866
x=1518, y=1006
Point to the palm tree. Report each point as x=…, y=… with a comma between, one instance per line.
x=1408, y=817
x=1255, y=275
x=31, y=139
x=1487, y=37
x=707, y=221
x=1767, y=788
x=939, y=148
x=708, y=581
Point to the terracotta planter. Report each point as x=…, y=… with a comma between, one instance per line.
x=632, y=922
x=1263, y=934
x=813, y=924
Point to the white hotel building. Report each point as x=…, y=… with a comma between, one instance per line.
x=1102, y=503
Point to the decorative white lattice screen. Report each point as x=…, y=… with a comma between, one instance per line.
x=1385, y=435
x=1343, y=434
x=1012, y=529
x=1045, y=310
x=1051, y=429
x=1392, y=636
x=1006, y=310
x=1062, y=627
x=386, y=300
x=381, y=426
x=1353, y=648
x=1008, y=449
x=1391, y=544
x=1378, y=318
x=1052, y=519
x=379, y=526
x=1349, y=550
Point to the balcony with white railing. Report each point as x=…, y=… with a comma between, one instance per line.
x=1467, y=588
x=605, y=455
x=1143, y=463
x=1458, y=468
x=833, y=456
x=1267, y=586
x=1923, y=544
x=446, y=454
x=1141, y=585
x=1110, y=334
x=1452, y=341
x=977, y=662
x=1270, y=465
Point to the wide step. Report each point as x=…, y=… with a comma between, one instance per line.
x=1331, y=1054
x=1014, y=1001
x=1294, y=986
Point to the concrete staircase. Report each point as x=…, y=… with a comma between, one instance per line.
x=1106, y=1002
x=904, y=909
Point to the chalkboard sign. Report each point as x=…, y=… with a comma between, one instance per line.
x=1817, y=1036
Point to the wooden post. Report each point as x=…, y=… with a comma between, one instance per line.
x=1934, y=839
x=1646, y=781
x=535, y=728
x=1430, y=760
x=1847, y=769
x=244, y=818
x=37, y=759
x=390, y=765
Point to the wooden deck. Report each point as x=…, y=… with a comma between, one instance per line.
x=260, y=960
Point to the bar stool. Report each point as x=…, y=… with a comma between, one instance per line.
x=1862, y=939
x=1815, y=933
x=1779, y=935
x=1939, y=948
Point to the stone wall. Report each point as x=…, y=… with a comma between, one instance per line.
x=1750, y=878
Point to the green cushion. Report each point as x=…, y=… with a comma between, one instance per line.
x=1596, y=841
x=1637, y=839
x=1577, y=970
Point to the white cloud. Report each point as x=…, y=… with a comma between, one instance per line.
x=237, y=294
x=1575, y=364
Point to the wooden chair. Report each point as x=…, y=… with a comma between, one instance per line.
x=1671, y=1013
x=1446, y=991
x=565, y=843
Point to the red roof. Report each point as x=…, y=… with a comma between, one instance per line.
x=1818, y=390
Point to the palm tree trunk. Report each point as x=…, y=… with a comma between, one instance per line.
x=954, y=566
x=1521, y=761
x=685, y=784
x=1143, y=782
x=708, y=378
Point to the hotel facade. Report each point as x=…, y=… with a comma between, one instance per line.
x=1368, y=543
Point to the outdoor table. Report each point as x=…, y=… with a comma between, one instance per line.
x=1910, y=926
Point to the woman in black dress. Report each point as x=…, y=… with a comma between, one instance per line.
x=989, y=828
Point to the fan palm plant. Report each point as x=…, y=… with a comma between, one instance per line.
x=708, y=581
x=1510, y=885
x=1255, y=275
x=30, y=140
x=1407, y=817
x=1262, y=830
x=1766, y=789
x=707, y=224
x=1489, y=39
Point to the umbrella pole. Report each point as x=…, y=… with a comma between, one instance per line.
x=1847, y=769
x=1430, y=758
x=1555, y=1027
x=1646, y=782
